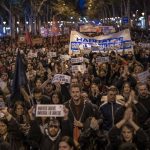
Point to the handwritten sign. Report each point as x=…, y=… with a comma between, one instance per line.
x=61, y=78
x=49, y=111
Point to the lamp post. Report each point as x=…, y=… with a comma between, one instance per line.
x=4, y=28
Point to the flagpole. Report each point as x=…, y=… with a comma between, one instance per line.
x=31, y=98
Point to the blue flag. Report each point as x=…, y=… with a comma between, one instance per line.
x=19, y=79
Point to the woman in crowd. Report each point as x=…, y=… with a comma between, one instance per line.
x=67, y=143
x=127, y=131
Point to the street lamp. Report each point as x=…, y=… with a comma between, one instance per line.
x=4, y=28
x=4, y=22
x=133, y=15
x=143, y=13
x=17, y=22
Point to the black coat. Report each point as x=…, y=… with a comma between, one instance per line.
x=140, y=139
x=87, y=111
x=14, y=137
x=39, y=141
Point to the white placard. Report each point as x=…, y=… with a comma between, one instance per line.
x=32, y=55
x=49, y=111
x=77, y=60
x=61, y=78
x=102, y=59
x=51, y=54
x=143, y=76
x=65, y=57
x=78, y=68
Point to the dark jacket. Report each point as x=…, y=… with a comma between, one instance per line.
x=37, y=140
x=86, y=112
x=140, y=114
x=108, y=111
x=140, y=139
x=92, y=139
x=14, y=136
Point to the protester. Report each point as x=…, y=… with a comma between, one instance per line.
x=112, y=85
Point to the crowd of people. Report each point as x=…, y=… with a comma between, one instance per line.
x=106, y=107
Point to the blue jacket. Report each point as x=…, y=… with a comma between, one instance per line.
x=108, y=111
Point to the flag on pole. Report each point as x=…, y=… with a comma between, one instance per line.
x=55, y=29
x=19, y=80
x=55, y=26
x=28, y=38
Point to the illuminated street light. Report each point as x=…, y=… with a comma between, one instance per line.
x=143, y=13
x=17, y=22
x=133, y=15
x=4, y=22
x=27, y=22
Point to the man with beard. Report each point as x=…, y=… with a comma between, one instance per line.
x=52, y=136
x=78, y=111
x=144, y=96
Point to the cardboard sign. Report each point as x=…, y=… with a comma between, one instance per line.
x=49, y=111
x=61, y=79
x=21, y=39
x=37, y=41
x=77, y=60
x=143, y=76
x=102, y=59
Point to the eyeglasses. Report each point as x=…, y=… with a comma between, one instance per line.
x=54, y=126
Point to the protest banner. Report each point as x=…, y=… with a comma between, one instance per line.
x=51, y=54
x=102, y=59
x=77, y=60
x=121, y=39
x=78, y=68
x=49, y=110
x=37, y=41
x=142, y=77
x=90, y=28
x=61, y=78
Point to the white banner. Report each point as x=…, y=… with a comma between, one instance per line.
x=49, y=111
x=121, y=41
x=77, y=60
x=102, y=59
x=61, y=78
